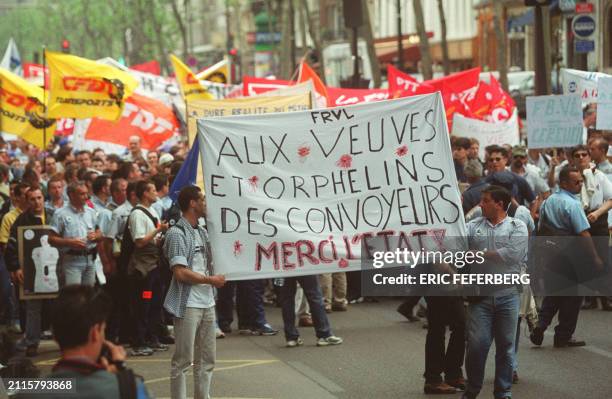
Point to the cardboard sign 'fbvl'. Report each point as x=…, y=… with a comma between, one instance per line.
x=298, y=193
x=554, y=121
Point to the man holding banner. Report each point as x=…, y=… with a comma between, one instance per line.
x=190, y=298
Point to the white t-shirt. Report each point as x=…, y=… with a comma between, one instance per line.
x=201, y=295
x=603, y=190
x=141, y=224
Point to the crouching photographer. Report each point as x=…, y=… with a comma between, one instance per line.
x=96, y=365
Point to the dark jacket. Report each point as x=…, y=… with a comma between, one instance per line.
x=11, y=254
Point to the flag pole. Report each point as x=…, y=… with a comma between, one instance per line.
x=44, y=49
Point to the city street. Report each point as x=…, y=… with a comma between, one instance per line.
x=382, y=357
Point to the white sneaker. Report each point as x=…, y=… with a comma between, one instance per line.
x=219, y=333
x=331, y=340
x=292, y=343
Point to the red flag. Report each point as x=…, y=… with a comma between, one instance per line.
x=456, y=89
x=338, y=97
x=307, y=73
x=33, y=72
x=403, y=85
x=149, y=67
x=453, y=103
x=142, y=116
x=457, y=82
x=479, y=105
x=502, y=105
x=64, y=127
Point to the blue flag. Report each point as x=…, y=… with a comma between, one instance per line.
x=188, y=173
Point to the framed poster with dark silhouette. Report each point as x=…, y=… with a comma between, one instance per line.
x=39, y=262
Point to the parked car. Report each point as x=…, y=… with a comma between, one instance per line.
x=522, y=84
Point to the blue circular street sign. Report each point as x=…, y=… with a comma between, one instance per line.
x=583, y=26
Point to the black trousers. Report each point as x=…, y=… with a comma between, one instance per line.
x=440, y=358
x=114, y=289
x=568, y=308
x=225, y=305
x=147, y=300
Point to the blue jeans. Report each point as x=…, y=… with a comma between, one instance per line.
x=34, y=312
x=80, y=274
x=310, y=285
x=491, y=318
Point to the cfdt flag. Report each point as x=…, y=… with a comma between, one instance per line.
x=191, y=88
x=22, y=110
x=151, y=120
x=81, y=88
x=188, y=172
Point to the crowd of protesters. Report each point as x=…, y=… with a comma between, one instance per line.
x=508, y=195
x=114, y=224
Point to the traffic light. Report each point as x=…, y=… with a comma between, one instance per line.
x=65, y=46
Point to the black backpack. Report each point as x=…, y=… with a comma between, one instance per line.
x=127, y=243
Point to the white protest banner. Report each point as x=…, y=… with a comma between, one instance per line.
x=554, y=121
x=582, y=83
x=506, y=132
x=242, y=106
x=298, y=193
x=164, y=89
x=604, y=103
x=150, y=85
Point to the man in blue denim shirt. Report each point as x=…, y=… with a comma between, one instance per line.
x=504, y=241
x=75, y=227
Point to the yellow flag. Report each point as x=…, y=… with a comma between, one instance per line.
x=22, y=110
x=82, y=88
x=218, y=73
x=191, y=88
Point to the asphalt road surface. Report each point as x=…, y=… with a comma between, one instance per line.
x=382, y=357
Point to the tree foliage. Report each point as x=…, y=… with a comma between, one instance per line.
x=137, y=30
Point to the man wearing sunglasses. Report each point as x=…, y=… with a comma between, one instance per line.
x=521, y=167
x=596, y=193
x=497, y=161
